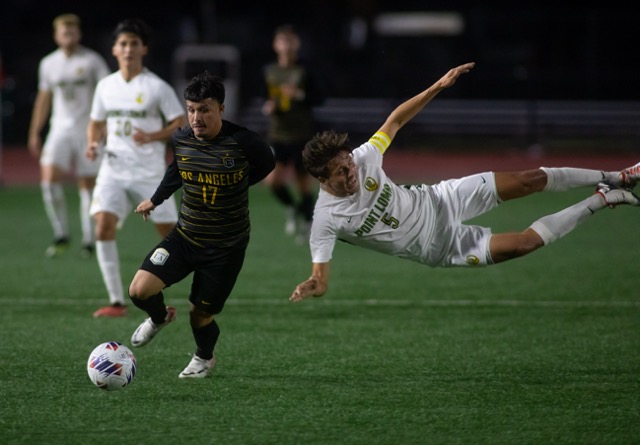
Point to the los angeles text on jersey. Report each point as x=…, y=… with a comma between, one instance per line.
x=230, y=178
x=377, y=213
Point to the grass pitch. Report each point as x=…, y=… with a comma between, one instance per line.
x=544, y=349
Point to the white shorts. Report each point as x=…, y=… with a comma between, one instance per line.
x=459, y=200
x=121, y=197
x=65, y=149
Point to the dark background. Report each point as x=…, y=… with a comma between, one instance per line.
x=532, y=51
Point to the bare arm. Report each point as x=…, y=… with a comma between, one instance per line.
x=140, y=137
x=407, y=110
x=314, y=286
x=96, y=134
x=39, y=116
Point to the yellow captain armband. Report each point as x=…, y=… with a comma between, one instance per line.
x=380, y=140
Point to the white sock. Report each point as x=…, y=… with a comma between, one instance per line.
x=109, y=262
x=565, y=178
x=55, y=205
x=85, y=218
x=555, y=226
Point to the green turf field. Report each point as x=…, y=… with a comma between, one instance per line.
x=545, y=349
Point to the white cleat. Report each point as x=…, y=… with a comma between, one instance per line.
x=614, y=196
x=629, y=177
x=147, y=329
x=198, y=368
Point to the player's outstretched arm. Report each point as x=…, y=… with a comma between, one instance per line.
x=315, y=286
x=407, y=110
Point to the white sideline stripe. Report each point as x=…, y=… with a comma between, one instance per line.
x=341, y=302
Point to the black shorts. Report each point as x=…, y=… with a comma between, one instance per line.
x=289, y=153
x=215, y=270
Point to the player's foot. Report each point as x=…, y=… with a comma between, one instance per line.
x=148, y=329
x=614, y=196
x=113, y=310
x=290, y=225
x=87, y=250
x=629, y=177
x=198, y=368
x=58, y=247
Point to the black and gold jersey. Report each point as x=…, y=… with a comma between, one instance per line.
x=215, y=176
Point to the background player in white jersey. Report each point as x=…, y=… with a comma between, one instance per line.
x=359, y=204
x=134, y=113
x=67, y=78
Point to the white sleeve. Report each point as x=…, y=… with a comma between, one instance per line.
x=101, y=69
x=322, y=239
x=170, y=105
x=43, y=81
x=98, y=113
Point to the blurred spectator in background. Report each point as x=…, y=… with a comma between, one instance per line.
x=292, y=92
x=67, y=78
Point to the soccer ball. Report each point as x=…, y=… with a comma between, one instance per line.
x=111, y=366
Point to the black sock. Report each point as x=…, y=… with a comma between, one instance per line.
x=154, y=306
x=284, y=195
x=305, y=208
x=206, y=338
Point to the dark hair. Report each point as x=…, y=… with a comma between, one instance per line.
x=287, y=28
x=204, y=86
x=321, y=150
x=134, y=26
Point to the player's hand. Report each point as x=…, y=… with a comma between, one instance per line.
x=145, y=208
x=140, y=137
x=269, y=107
x=452, y=75
x=306, y=289
x=92, y=150
x=35, y=146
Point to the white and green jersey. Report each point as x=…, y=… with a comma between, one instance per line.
x=381, y=216
x=72, y=81
x=146, y=103
x=422, y=223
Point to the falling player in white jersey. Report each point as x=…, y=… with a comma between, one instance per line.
x=359, y=204
x=67, y=78
x=134, y=113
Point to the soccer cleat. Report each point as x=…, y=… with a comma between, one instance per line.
x=614, y=196
x=198, y=368
x=147, y=329
x=87, y=251
x=111, y=311
x=629, y=177
x=58, y=247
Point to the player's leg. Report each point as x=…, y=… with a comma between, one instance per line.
x=511, y=185
x=145, y=292
x=109, y=207
x=304, y=183
x=106, y=224
x=55, y=205
x=280, y=188
x=86, y=172
x=506, y=246
x=85, y=190
x=211, y=287
x=165, y=265
x=55, y=161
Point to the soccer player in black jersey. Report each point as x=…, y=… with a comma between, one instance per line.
x=215, y=162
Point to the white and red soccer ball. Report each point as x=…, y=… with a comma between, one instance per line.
x=111, y=366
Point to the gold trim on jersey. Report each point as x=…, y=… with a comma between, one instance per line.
x=381, y=141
